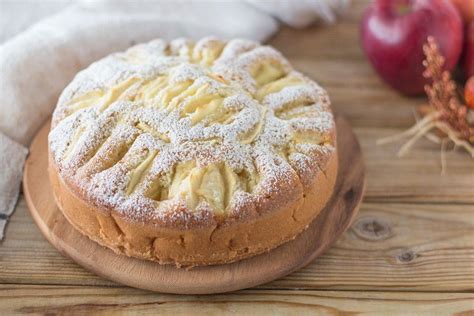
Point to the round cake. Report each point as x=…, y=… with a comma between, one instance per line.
x=192, y=153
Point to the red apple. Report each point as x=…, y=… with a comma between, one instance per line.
x=466, y=8
x=469, y=92
x=393, y=33
x=469, y=51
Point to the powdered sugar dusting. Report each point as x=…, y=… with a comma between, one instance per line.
x=125, y=124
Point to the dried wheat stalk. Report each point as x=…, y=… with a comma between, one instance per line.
x=448, y=115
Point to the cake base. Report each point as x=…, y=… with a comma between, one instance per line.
x=318, y=237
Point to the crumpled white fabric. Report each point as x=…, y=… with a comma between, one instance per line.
x=39, y=62
x=12, y=158
x=302, y=13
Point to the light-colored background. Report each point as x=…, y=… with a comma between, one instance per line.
x=410, y=250
x=17, y=15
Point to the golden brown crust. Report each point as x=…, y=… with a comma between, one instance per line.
x=192, y=153
x=198, y=246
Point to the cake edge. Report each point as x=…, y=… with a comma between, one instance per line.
x=196, y=246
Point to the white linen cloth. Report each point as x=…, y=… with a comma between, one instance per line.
x=38, y=63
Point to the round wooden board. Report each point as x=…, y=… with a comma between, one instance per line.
x=320, y=235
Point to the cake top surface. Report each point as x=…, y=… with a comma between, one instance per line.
x=190, y=132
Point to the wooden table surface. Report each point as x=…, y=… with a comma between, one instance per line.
x=410, y=250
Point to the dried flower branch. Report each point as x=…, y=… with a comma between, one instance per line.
x=442, y=94
x=447, y=113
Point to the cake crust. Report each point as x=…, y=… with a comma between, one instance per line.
x=213, y=244
x=192, y=153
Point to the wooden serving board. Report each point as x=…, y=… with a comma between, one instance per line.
x=320, y=235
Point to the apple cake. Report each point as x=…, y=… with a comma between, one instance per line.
x=192, y=153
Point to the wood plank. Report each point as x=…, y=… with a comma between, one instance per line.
x=26, y=256
x=72, y=300
x=421, y=247
x=357, y=93
x=336, y=41
x=376, y=111
x=397, y=247
x=332, y=55
x=417, y=176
